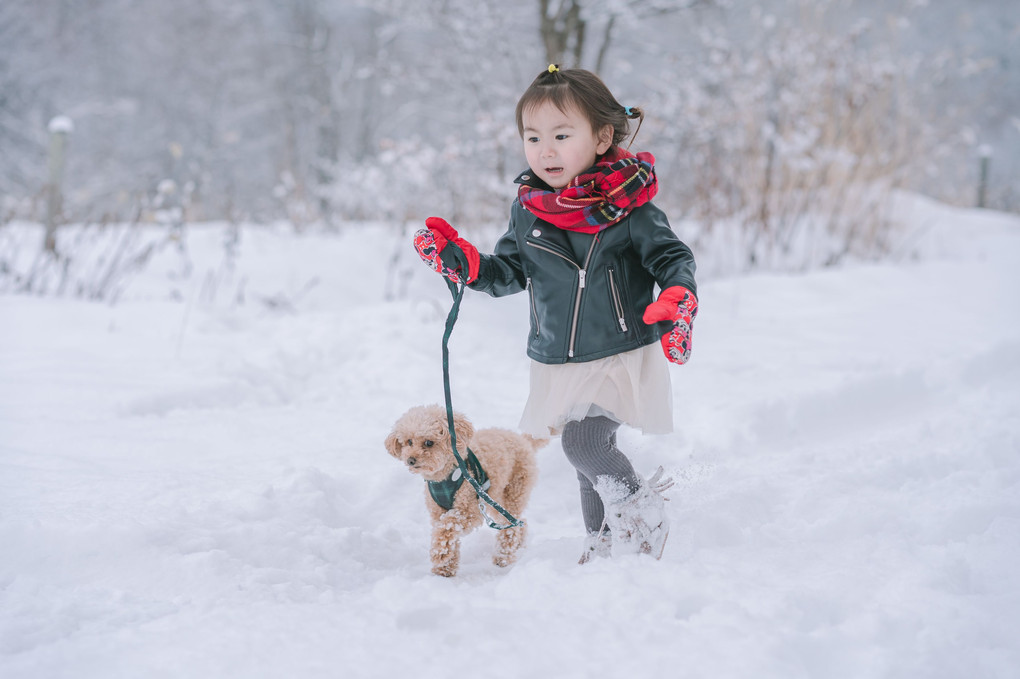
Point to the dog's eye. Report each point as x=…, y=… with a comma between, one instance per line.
x=409, y=443
x=429, y=443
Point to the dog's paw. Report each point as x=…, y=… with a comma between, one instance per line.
x=447, y=570
x=507, y=545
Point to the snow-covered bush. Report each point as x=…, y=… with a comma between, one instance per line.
x=409, y=180
x=792, y=138
x=91, y=261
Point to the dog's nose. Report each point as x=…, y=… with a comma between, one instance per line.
x=411, y=461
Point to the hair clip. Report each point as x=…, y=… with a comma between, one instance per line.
x=628, y=111
x=553, y=68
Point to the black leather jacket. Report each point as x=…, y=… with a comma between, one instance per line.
x=588, y=291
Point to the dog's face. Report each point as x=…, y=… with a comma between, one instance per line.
x=421, y=440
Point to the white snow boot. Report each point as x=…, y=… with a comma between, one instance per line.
x=637, y=521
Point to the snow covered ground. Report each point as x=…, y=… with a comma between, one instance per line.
x=192, y=487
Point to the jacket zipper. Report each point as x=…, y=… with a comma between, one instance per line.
x=617, y=302
x=534, y=310
x=582, y=272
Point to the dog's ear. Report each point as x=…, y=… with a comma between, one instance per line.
x=392, y=445
x=463, y=429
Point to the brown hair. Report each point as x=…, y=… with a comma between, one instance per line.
x=585, y=91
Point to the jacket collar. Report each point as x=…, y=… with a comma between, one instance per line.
x=529, y=178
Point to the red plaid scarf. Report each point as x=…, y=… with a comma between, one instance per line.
x=598, y=198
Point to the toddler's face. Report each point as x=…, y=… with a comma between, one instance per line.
x=561, y=145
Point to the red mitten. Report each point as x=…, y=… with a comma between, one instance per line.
x=679, y=305
x=442, y=248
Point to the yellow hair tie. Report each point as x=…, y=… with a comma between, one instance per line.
x=553, y=68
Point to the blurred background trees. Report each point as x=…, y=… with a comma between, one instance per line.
x=780, y=126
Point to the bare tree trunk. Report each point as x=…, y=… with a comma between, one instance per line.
x=985, y=154
x=604, y=47
x=562, y=29
x=60, y=128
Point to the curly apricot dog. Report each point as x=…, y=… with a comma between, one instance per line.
x=503, y=459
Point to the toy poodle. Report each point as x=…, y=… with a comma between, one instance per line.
x=501, y=460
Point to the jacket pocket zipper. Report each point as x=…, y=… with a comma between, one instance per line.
x=534, y=309
x=614, y=292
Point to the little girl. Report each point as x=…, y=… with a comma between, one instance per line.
x=588, y=245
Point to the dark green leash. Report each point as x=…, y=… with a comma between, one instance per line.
x=483, y=498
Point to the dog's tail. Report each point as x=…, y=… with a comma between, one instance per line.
x=535, y=443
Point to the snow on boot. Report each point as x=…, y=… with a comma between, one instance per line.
x=597, y=545
x=637, y=520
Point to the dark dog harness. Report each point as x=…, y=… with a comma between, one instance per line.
x=444, y=491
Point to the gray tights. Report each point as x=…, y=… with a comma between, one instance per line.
x=590, y=445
